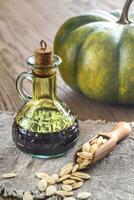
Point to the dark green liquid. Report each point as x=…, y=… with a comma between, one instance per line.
x=49, y=144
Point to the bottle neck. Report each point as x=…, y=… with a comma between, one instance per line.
x=44, y=87
x=44, y=78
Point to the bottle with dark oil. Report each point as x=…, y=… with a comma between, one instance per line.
x=44, y=126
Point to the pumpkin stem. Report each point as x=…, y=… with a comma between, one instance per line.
x=124, y=15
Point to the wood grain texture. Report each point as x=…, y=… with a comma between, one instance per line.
x=22, y=25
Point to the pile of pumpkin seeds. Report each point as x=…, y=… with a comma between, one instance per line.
x=70, y=176
x=69, y=179
x=85, y=155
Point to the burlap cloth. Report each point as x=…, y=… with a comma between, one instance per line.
x=111, y=179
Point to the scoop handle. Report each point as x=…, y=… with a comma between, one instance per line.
x=120, y=131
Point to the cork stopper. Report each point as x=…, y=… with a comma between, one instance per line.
x=43, y=55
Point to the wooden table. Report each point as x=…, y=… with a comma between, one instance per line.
x=22, y=25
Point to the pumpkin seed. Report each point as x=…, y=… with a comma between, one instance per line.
x=66, y=170
x=41, y=175
x=66, y=187
x=75, y=168
x=81, y=175
x=86, y=147
x=83, y=195
x=79, y=160
x=27, y=196
x=42, y=185
x=67, y=165
x=77, y=185
x=50, y=190
x=69, y=182
x=94, y=141
x=9, y=175
x=85, y=164
x=82, y=166
x=73, y=184
x=64, y=193
x=50, y=180
x=99, y=142
x=93, y=148
x=76, y=178
x=85, y=155
x=55, y=177
x=69, y=198
x=100, y=138
x=63, y=178
x=104, y=141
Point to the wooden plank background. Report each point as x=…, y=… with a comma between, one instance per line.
x=23, y=23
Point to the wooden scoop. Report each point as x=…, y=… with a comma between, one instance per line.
x=119, y=132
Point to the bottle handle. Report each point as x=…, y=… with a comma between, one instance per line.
x=19, y=85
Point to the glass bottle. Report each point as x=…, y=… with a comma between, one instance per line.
x=44, y=126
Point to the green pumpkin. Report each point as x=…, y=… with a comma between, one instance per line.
x=97, y=49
